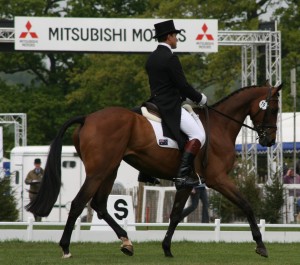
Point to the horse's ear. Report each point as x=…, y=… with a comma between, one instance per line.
x=279, y=87
x=267, y=83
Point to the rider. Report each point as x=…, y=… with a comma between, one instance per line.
x=169, y=89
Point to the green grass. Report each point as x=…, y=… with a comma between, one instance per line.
x=187, y=253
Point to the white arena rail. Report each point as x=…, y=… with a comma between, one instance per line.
x=214, y=233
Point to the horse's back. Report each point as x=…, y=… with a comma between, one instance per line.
x=107, y=134
x=110, y=114
x=107, y=125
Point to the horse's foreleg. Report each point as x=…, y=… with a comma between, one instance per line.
x=256, y=234
x=175, y=217
x=229, y=190
x=99, y=204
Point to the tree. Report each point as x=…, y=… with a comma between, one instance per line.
x=273, y=201
x=290, y=26
x=118, y=80
x=107, y=8
x=8, y=210
x=42, y=97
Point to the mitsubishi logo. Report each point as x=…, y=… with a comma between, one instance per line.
x=33, y=35
x=201, y=36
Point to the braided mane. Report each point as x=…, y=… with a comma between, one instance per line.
x=232, y=94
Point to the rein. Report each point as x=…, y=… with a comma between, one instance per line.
x=259, y=128
x=256, y=128
x=230, y=118
x=206, y=107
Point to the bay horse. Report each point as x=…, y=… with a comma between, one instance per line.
x=106, y=137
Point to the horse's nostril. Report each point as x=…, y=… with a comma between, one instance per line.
x=272, y=142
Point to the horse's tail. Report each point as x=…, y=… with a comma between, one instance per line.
x=51, y=181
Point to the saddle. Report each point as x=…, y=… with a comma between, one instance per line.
x=151, y=111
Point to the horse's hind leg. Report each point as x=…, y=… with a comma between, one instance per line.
x=84, y=195
x=175, y=217
x=230, y=191
x=99, y=204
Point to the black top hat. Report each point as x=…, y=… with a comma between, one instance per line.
x=37, y=161
x=164, y=28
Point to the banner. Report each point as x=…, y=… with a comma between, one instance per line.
x=110, y=34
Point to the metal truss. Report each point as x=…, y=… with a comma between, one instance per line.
x=240, y=38
x=7, y=35
x=19, y=120
x=249, y=78
x=249, y=42
x=273, y=73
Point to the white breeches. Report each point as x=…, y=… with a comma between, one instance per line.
x=192, y=128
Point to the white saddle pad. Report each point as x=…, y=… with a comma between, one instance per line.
x=162, y=141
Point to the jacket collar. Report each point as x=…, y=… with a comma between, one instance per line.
x=166, y=45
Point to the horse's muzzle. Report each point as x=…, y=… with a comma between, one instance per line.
x=266, y=141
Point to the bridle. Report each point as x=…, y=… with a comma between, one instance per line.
x=263, y=128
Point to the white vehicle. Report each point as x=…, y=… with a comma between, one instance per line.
x=73, y=176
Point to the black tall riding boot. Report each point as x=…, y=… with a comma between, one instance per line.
x=185, y=176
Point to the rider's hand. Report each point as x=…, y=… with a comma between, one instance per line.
x=203, y=100
x=189, y=101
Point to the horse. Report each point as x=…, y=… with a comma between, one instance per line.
x=106, y=137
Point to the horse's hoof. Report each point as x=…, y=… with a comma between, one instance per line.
x=127, y=250
x=262, y=251
x=167, y=249
x=168, y=254
x=126, y=246
x=66, y=256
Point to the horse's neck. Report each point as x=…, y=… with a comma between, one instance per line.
x=238, y=104
x=236, y=109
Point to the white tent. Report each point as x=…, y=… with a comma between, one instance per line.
x=287, y=119
x=288, y=127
